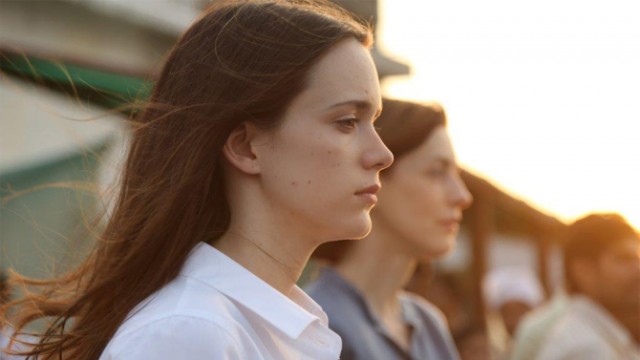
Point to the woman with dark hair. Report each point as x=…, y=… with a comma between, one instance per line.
x=417, y=219
x=256, y=146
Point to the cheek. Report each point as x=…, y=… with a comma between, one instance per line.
x=626, y=271
x=307, y=161
x=324, y=170
x=612, y=279
x=410, y=206
x=421, y=198
x=316, y=176
x=425, y=206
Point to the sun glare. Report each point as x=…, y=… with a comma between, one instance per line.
x=543, y=98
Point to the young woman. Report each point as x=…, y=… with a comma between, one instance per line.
x=417, y=218
x=257, y=146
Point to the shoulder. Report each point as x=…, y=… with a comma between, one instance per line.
x=573, y=338
x=324, y=285
x=182, y=298
x=348, y=314
x=569, y=350
x=429, y=310
x=574, y=325
x=176, y=337
x=535, y=327
x=335, y=297
x=435, y=327
x=184, y=319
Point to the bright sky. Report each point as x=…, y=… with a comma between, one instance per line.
x=543, y=97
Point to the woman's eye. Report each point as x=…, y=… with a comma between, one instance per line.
x=438, y=172
x=348, y=124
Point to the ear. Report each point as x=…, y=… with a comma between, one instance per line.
x=238, y=149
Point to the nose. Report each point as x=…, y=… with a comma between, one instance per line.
x=460, y=195
x=377, y=156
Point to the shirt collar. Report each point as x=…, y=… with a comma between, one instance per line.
x=289, y=315
x=410, y=313
x=591, y=310
x=336, y=279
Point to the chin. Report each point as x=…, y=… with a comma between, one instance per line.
x=355, y=229
x=440, y=253
x=442, y=249
x=360, y=233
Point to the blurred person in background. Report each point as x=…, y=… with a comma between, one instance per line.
x=510, y=293
x=536, y=325
x=417, y=219
x=442, y=289
x=473, y=343
x=602, y=276
x=257, y=145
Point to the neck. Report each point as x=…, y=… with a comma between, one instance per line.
x=362, y=267
x=262, y=237
x=265, y=256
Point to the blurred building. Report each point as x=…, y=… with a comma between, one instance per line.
x=64, y=65
x=503, y=231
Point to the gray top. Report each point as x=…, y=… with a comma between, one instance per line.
x=363, y=333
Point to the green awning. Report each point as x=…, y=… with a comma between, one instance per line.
x=105, y=88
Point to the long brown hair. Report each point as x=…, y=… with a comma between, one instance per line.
x=403, y=126
x=241, y=61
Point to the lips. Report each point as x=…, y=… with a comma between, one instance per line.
x=373, y=189
x=368, y=194
x=451, y=225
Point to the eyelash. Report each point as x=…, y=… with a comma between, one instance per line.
x=349, y=123
x=437, y=172
x=441, y=172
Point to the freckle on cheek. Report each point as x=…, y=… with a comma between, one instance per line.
x=328, y=151
x=308, y=182
x=294, y=183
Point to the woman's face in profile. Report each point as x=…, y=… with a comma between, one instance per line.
x=423, y=197
x=325, y=153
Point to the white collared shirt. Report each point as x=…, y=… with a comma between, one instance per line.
x=217, y=309
x=588, y=332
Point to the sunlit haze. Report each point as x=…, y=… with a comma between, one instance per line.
x=543, y=97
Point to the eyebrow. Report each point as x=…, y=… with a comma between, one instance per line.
x=360, y=105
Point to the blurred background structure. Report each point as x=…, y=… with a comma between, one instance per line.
x=65, y=65
x=70, y=68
